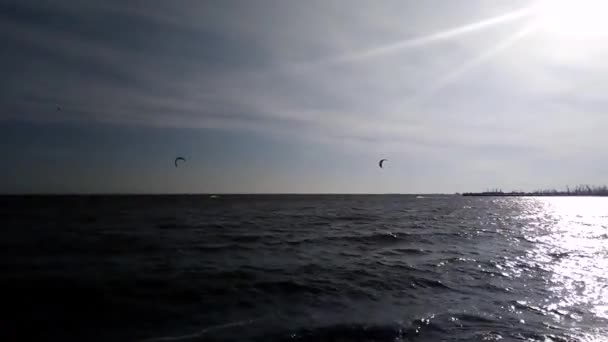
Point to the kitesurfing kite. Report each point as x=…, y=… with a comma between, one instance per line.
x=381, y=162
x=178, y=159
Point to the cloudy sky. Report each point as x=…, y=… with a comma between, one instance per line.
x=301, y=96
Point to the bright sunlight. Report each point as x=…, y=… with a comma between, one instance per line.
x=578, y=20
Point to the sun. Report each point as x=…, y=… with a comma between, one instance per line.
x=574, y=19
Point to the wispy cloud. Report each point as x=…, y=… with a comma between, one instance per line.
x=228, y=66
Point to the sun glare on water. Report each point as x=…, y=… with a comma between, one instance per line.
x=577, y=20
x=576, y=246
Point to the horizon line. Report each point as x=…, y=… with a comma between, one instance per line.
x=213, y=193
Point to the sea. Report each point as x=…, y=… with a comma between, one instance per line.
x=303, y=268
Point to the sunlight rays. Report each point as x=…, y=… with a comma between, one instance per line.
x=469, y=65
x=435, y=37
x=360, y=56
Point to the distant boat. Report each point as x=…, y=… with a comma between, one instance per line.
x=214, y=196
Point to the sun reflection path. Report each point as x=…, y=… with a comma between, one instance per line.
x=571, y=242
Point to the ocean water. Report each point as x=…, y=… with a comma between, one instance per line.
x=304, y=268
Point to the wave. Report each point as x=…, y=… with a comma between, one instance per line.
x=368, y=239
x=246, y=238
x=285, y=287
x=220, y=247
x=174, y=226
x=201, y=333
x=376, y=237
x=361, y=332
x=477, y=328
x=404, y=251
x=428, y=283
x=355, y=332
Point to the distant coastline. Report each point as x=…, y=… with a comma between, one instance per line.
x=580, y=190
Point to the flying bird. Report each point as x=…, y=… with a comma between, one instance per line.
x=381, y=162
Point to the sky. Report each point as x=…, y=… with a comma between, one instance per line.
x=273, y=96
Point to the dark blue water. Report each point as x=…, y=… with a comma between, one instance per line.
x=304, y=268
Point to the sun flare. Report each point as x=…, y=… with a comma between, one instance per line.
x=579, y=20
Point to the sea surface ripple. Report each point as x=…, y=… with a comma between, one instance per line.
x=304, y=268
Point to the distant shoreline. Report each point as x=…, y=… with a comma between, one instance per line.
x=579, y=190
x=506, y=194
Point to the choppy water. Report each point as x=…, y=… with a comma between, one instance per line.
x=304, y=268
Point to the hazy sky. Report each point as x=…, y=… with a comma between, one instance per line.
x=300, y=96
